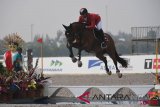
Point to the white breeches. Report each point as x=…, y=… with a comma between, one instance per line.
x=99, y=25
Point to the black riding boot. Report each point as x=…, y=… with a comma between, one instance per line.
x=101, y=38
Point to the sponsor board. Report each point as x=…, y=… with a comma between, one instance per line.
x=151, y=64
x=92, y=65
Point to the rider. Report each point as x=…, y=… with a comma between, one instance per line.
x=92, y=21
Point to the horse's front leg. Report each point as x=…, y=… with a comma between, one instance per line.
x=79, y=58
x=74, y=59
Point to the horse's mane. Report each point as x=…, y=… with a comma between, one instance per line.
x=77, y=24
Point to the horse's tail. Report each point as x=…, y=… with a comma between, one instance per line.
x=122, y=61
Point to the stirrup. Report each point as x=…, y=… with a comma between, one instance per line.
x=103, y=45
x=74, y=41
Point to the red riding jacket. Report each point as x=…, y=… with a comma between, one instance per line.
x=91, y=20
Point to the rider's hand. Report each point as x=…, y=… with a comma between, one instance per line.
x=86, y=27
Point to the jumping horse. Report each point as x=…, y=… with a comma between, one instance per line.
x=84, y=39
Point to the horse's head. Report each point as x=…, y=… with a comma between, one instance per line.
x=73, y=31
x=68, y=33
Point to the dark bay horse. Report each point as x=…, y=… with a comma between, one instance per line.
x=84, y=39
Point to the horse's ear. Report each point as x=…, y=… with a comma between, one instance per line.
x=66, y=27
x=70, y=25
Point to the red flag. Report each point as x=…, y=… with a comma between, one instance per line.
x=40, y=40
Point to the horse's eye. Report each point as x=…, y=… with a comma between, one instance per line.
x=67, y=33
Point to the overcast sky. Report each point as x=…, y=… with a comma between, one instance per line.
x=47, y=16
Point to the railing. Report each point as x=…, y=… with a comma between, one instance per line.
x=145, y=32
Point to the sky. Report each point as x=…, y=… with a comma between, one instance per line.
x=47, y=16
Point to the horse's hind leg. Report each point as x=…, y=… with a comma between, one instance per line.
x=103, y=58
x=79, y=58
x=115, y=63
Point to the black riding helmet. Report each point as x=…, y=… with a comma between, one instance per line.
x=83, y=11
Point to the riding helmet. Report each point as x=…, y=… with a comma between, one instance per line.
x=83, y=11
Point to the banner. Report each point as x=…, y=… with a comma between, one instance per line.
x=92, y=65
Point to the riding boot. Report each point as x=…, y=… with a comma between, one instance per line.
x=101, y=38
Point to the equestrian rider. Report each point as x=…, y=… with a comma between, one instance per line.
x=92, y=21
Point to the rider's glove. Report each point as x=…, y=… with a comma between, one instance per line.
x=86, y=27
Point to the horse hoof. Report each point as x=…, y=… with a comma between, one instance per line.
x=119, y=75
x=109, y=72
x=74, y=59
x=79, y=64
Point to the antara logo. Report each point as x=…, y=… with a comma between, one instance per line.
x=93, y=63
x=84, y=97
x=55, y=63
x=151, y=63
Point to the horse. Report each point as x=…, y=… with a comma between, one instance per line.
x=84, y=39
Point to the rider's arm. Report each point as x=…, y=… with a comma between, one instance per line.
x=80, y=19
x=92, y=25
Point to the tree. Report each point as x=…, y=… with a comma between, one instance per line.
x=151, y=34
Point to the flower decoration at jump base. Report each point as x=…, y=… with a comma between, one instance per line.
x=16, y=81
x=12, y=43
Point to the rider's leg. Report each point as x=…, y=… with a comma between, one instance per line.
x=101, y=35
x=101, y=38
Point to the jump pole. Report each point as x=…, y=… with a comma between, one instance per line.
x=157, y=86
x=157, y=80
x=42, y=57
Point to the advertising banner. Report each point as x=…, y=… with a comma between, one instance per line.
x=92, y=65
